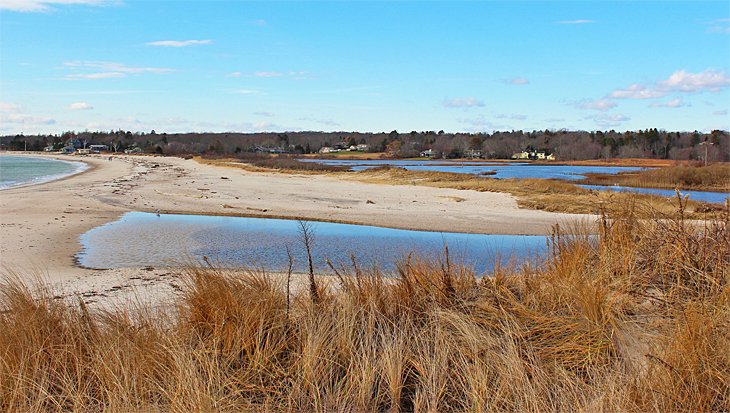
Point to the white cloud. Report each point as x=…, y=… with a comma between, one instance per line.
x=79, y=106
x=327, y=122
x=268, y=74
x=577, y=21
x=637, y=91
x=596, y=104
x=513, y=116
x=719, y=26
x=108, y=70
x=266, y=114
x=517, y=81
x=25, y=119
x=683, y=81
x=234, y=74
x=260, y=22
x=99, y=75
x=608, y=121
x=244, y=92
x=720, y=112
x=6, y=107
x=178, y=43
x=35, y=6
x=673, y=103
x=468, y=102
x=680, y=81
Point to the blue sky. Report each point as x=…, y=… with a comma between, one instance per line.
x=178, y=66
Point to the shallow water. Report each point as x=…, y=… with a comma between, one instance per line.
x=703, y=196
x=142, y=239
x=519, y=170
x=24, y=170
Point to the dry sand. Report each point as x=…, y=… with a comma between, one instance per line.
x=40, y=224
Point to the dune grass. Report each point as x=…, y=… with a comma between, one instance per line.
x=634, y=319
x=714, y=177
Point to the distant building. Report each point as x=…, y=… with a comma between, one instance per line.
x=136, y=149
x=98, y=148
x=48, y=148
x=328, y=149
x=521, y=155
x=534, y=155
x=68, y=149
x=428, y=153
x=362, y=147
x=473, y=153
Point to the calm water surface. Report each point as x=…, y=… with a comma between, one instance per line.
x=142, y=239
x=24, y=170
x=703, y=196
x=520, y=170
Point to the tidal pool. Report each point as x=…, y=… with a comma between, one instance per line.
x=141, y=239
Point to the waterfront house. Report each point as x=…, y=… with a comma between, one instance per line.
x=428, y=153
x=68, y=149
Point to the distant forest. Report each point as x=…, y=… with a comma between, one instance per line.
x=566, y=145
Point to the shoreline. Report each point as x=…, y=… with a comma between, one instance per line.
x=40, y=224
x=84, y=167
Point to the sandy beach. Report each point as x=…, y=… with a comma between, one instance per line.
x=40, y=224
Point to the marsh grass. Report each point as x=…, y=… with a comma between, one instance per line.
x=633, y=319
x=714, y=177
x=540, y=194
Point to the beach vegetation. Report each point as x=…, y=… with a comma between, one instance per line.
x=634, y=319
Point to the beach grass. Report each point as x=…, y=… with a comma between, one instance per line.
x=635, y=318
x=715, y=177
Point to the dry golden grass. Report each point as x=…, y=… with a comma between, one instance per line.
x=541, y=194
x=715, y=177
x=634, y=319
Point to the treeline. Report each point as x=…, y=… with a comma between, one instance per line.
x=566, y=145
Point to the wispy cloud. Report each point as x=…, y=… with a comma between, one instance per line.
x=107, y=70
x=244, y=92
x=719, y=26
x=265, y=114
x=672, y=103
x=595, y=104
x=268, y=74
x=6, y=107
x=260, y=22
x=577, y=21
x=79, y=106
x=178, y=43
x=517, y=81
x=468, y=102
x=636, y=91
x=235, y=74
x=608, y=121
x=326, y=122
x=41, y=6
x=720, y=112
x=512, y=116
x=709, y=80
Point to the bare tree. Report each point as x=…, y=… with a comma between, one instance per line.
x=307, y=234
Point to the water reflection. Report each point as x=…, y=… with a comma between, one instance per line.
x=143, y=239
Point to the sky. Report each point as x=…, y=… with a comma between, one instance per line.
x=473, y=66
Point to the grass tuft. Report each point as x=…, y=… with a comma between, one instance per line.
x=636, y=318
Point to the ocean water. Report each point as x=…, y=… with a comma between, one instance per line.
x=141, y=239
x=25, y=170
